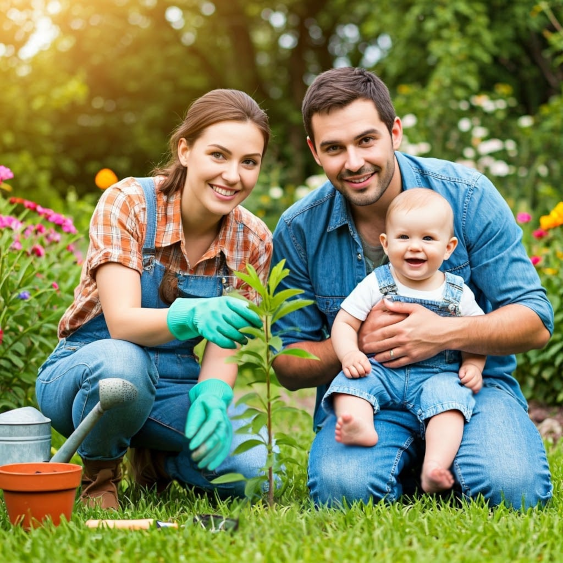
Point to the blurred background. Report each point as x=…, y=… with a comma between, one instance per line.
x=93, y=84
x=90, y=91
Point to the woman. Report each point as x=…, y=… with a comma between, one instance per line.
x=161, y=250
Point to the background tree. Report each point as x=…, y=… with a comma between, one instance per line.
x=115, y=76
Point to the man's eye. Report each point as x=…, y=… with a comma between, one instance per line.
x=333, y=148
x=367, y=140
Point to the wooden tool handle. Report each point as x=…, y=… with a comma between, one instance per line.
x=141, y=524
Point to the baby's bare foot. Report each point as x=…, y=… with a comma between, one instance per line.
x=355, y=431
x=436, y=478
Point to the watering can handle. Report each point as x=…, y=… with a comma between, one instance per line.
x=68, y=449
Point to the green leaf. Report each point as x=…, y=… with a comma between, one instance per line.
x=247, y=445
x=228, y=478
x=297, y=352
x=290, y=307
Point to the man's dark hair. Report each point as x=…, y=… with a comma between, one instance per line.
x=339, y=87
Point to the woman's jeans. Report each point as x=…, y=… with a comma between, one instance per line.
x=501, y=457
x=67, y=390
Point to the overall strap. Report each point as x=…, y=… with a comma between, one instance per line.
x=453, y=292
x=149, y=250
x=385, y=280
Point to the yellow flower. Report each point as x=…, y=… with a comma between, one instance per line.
x=550, y=271
x=105, y=178
x=554, y=219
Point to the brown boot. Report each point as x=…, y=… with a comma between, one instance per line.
x=147, y=468
x=100, y=480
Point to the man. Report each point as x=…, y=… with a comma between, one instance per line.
x=330, y=240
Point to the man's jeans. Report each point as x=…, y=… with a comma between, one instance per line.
x=510, y=465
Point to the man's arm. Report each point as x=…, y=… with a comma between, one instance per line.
x=297, y=373
x=422, y=334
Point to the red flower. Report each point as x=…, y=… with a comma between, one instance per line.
x=539, y=233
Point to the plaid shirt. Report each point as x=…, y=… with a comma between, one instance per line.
x=117, y=234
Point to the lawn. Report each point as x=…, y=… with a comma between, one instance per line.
x=420, y=530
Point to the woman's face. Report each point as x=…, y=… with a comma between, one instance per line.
x=222, y=166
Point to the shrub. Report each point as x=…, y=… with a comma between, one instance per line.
x=38, y=271
x=539, y=371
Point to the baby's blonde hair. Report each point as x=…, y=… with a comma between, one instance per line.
x=420, y=198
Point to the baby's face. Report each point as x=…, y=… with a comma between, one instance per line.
x=417, y=241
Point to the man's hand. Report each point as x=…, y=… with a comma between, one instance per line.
x=355, y=364
x=402, y=333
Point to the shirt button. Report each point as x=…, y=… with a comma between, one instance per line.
x=359, y=256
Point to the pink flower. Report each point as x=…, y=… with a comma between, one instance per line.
x=38, y=250
x=523, y=217
x=5, y=174
x=535, y=260
x=539, y=233
x=55, y=285
x=1, y=335
x=16, y=245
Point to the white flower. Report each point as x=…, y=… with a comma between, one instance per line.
x=543, y=170
x=409, y=120
x=480, y=132
x=464, y=124
x=313, y=182
x=489, y=146
x=500, y=168
x=276, y=192
x=469, y=152
x=525, y=121
x=301, y=192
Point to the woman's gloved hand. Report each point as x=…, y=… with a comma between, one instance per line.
x=208, y=426
x=218, y=319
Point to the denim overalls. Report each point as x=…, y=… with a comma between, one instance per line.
x=67, y=383
x=426, y=388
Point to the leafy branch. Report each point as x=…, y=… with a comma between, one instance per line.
x=259, y=354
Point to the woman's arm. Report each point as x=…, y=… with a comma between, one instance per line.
x=214, y=366
x=119, y=289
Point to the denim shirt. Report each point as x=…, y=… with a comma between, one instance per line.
x=322, y=248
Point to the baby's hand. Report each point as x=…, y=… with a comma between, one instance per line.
x=355, y=364
x=470, y=375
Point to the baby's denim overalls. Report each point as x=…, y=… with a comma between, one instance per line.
x=67, y=383
x=426, y=388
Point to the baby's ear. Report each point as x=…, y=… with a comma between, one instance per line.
x=383, y=240
x=450, y=247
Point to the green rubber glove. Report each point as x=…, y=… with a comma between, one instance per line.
x=208, y=426
x=218, y=319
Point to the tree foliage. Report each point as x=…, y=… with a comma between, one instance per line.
x=110, y=86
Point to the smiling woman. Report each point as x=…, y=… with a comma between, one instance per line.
x=152, y=287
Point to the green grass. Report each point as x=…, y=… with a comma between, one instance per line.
x=421, y=530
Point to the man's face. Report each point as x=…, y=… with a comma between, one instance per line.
x=356, y=151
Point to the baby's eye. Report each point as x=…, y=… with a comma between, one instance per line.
x=428, y=238
x=403, y=237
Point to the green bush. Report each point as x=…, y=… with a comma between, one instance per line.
x=539, y=371
x=38, y=272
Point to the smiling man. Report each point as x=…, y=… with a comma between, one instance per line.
x=331, y=240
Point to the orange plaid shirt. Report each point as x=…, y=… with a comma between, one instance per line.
x=117, y=234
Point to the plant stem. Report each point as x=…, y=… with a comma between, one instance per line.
x=270, y=447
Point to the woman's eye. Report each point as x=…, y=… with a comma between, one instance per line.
x=217, y=155
x=250, y=162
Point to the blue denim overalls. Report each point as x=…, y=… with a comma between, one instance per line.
x=426, y=388
x=67, y=382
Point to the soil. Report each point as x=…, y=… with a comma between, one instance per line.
x=548, y=419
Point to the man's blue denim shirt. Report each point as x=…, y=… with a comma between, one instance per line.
x=323, y=252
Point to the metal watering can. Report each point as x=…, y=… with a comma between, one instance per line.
x=25, y=433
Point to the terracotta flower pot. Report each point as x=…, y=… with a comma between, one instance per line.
x=39, y=490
